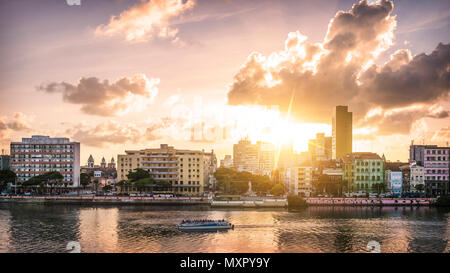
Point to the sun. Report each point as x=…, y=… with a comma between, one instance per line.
x=270, y=125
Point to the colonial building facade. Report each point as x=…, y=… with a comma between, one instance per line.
x=184, y=169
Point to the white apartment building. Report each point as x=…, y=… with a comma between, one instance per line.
x=41, y=154
x=210, y=167
x=298, y=180
x=245, y=156
x=256, y=158
x=417, y=176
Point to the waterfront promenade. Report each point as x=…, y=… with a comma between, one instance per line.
x=107, y=200
x=262, y=203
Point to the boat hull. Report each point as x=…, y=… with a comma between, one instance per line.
x=205, y=227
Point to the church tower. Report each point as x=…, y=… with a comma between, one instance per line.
x=103, y=164
x=112, y=164
x=91, y=162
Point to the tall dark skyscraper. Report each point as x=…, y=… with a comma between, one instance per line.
x=342, y=132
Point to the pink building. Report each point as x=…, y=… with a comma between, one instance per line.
x=436, y=163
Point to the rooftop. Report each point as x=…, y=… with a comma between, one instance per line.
x=360, y=155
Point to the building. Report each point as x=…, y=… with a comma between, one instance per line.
x=363, y=171
x=328, y=181
x=103, y=164
x=112, y=164
x=342, y=132
x=4, y=162
x=392, y=171
x=90, y=162
x=298, y=180
x=266, y=158
x=183, y=169
x=406, y=175
x=256, y=158
x=209, y=168
x=105, y=174
x=417, y=176
x=41, y=154
x=91, y=167
x=320, y=148
x=436, y=163
x=394, y=182
x=245, y=156
x=226, y=162
x=191, y=172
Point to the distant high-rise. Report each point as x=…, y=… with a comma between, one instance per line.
x=342, y=132
x=245, y=156
x=227, y=162
x=256, y=158
x=320, y=147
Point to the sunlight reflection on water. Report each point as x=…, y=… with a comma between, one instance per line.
x=38, y=228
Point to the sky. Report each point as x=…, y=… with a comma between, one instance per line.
x=118, y=75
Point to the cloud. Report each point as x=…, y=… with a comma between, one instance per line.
x=102, y=98
x=425, y=79
x=400, y=120
x=341, y=71
x=147, y=20
x=18, y=123
x=442, y=135
x=113, y=133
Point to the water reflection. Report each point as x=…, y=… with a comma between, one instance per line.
x=34, y=227
x=38, y=228
x=98, y=229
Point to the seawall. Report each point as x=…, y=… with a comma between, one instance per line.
x=190, y=201
x=105, y=200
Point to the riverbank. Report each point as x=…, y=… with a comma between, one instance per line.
x=190, y=201
x=106, y=200
x=370, y=201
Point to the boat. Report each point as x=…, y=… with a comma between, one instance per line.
x=205, y=225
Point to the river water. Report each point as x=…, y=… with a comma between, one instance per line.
x=49, y=228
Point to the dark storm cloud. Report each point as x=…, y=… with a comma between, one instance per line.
x=423, y=80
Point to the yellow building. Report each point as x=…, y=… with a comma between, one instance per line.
x=191, y=172
x=183, y=169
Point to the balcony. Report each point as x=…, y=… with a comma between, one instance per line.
x=160, y=161
x=168, y=173
x=160, y=167
x=165, y=178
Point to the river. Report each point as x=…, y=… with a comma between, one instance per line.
x=49, y=228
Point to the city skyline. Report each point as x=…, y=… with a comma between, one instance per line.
x=113, y=86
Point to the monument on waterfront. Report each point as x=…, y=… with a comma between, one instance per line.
x=250, y=192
